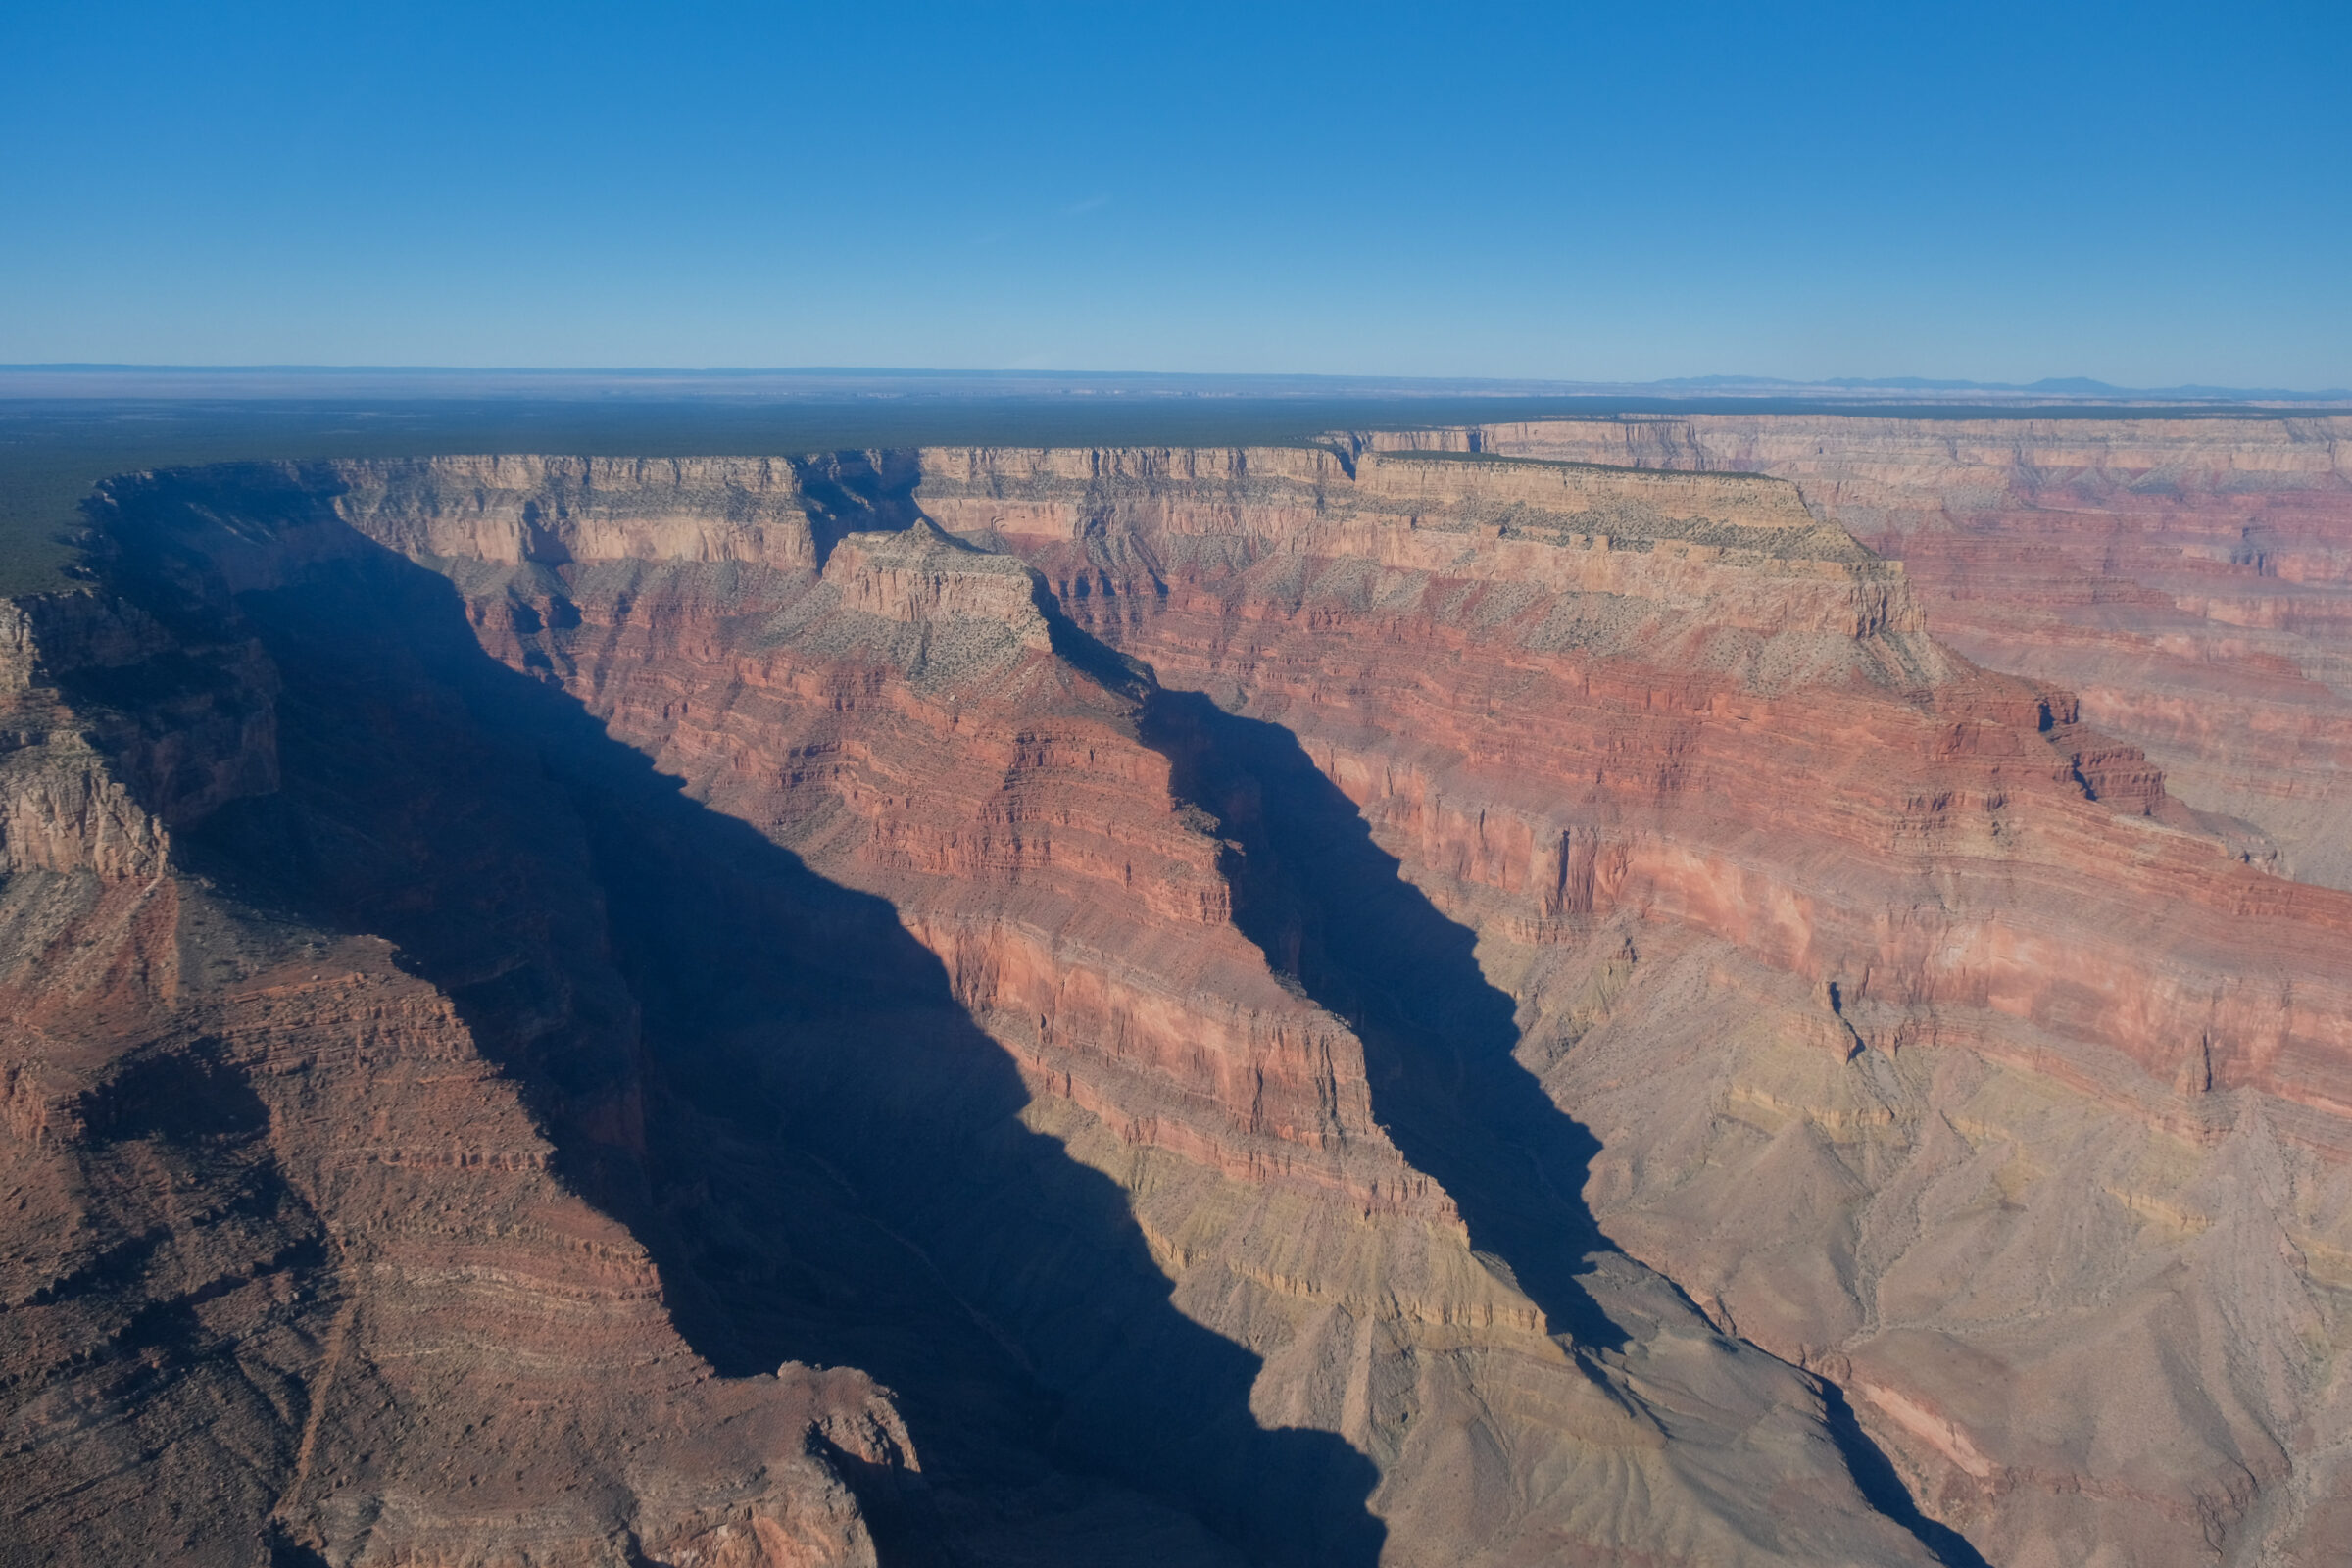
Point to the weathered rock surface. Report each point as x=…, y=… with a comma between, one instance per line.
x=286, y=1265
x=2187, y=576
x=1789, y=906
x=1391, y=1005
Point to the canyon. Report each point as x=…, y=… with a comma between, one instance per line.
x=1710, y=989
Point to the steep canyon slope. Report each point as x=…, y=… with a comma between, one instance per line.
x=290, y=1261
x=2186, y=576
x=1305, y=1006
x=1036, y=1137
x=1926, y=1040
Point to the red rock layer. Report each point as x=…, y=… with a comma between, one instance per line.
x=2186, y=576
x=286, y=1268
x=1811, y=829
x=1002, y=802
x=903, y=720
x=1910, y=834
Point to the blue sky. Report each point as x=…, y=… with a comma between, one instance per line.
x=2148, y=193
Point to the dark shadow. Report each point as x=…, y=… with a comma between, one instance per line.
x=1875, y=1475
x=1330, y=908
x=758, y=1070
x=286, y=1552
x=187, y=1096
x=1333, y=910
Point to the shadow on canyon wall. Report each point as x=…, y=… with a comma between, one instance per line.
x=755, y=1068
x=1882, y=1485
x=1332, y=909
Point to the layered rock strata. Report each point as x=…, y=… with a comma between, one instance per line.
x=1926, y=1040
x=288, y=1268
x=1388, y=1005
x=1037, y=1135
x=2186, y=576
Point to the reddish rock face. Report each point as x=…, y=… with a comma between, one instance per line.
x=2186, y=576
x=291, y=1266
x=1787, y=902
x=1775, y=777
x=1390, y=1006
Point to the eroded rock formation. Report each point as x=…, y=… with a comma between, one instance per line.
x=2185, y=576
x=1785, y=904
x=1317, y=1006
x=290, y=1264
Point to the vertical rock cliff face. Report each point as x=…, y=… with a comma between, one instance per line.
x=2188, y=577
x=1318, y=1005
x=1926, y=1042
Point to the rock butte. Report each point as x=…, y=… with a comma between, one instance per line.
x=1343, y=1005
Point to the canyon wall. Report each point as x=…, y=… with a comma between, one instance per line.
x=2188, y=577
x=832, y=911
x=1321, y=1005
x=271, y=1202
x=1926, y=1039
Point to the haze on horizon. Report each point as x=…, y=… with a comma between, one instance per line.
x=2003, y=193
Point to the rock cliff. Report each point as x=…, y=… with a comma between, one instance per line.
x=1786, y=905
x=1320, y=1004
x=2186, y=576
x=289, y=1268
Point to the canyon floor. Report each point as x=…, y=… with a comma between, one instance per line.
x=1664, y=989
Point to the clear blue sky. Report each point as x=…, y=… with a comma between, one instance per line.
x=2149, y=193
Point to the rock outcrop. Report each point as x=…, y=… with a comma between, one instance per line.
x=288, y=1270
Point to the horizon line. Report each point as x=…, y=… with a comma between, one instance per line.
x=2077, y=387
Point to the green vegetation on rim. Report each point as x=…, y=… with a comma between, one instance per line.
x=1508, y=460
x=53, y=451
